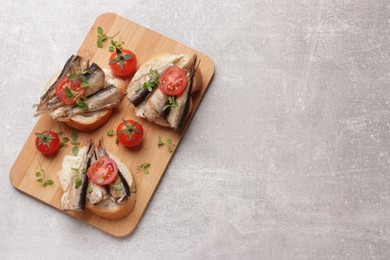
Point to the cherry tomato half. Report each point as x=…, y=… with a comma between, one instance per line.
x=173, y=81
x=130, y=133
x=128, y=60
x=103, y=172
x=47, y=142
x=74, y=92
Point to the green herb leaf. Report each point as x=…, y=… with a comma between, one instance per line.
x=82, y=105
x=74, y=135
x=62, y=145
x=78, y=182
x=100, y=30
x=111, y=49
x=38, y=174
x=172, y=102
x=75, y=169
x=40, y=180
x=89, y=190
x=44, y=184
x=85, y=84
x=60, y=133
x=75, y=142
x=83, y=170
x=68, y=93
x=99, y=43
x=160, y=141
x=144, y=167
x=117, y=141
x=168, y=141
x=118, y=187
x=170, y=149
x=65, y=140
x=110, y=132
x=75, y=150
x=50, y=182
x=72, y=77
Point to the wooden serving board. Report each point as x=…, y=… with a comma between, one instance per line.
x=145, y=44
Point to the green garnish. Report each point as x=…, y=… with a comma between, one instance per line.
x=75, y=150
x=74, y=135
x=82, y=77
x=130, y=129
x=138, y=87
x=116, y=45
x=160, y=141
x=40, y=175
x=100, y=180
x=75, y=142
x=80, y=103
x=118, y=187
x=83, y=170
x=89, y=190
x=168, y=142
x=75, y=169
x=110, y=132
x=78, y=182
x=153, y=80
x=117, y=141
x=144, y=167
x=172, y=102
x=101, y=37
x=120, y=57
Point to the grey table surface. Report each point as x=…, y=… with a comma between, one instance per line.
x=287, y=157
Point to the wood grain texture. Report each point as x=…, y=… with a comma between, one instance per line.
x=146, y=44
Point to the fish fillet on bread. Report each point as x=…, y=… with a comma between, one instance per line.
x=150, y=104
x=113, y=201
x=104, y=94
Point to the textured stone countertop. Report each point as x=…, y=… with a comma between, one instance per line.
x=287, y=157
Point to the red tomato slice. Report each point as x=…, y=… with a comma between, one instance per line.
x=173, y=81
x=103, y=172
x=76, y=92
x=128, y=60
